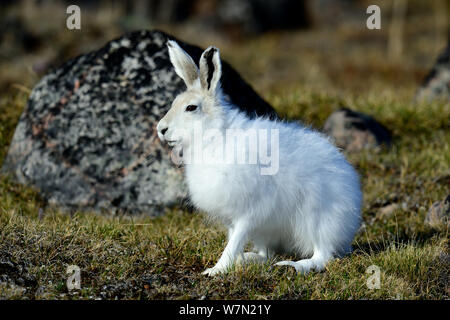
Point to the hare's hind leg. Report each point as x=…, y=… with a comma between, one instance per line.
x=317, y=262
x=260, y=253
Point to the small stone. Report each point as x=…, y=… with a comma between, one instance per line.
x=439, y=213
x=355, y=131
x=386, y=211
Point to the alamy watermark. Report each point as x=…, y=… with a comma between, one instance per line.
x=74, y=280
x=73, y=21
x=374, y=281
x=374, y=20
x=259, y=147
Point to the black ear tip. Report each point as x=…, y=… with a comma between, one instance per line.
x=214, y=50
x=209, y=53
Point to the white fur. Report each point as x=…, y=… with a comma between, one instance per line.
x=310, y=207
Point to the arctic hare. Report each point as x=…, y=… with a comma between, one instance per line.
x=307, y=204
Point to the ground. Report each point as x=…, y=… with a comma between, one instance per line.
x=305, y=75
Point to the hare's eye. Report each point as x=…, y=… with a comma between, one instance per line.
x=191, y=107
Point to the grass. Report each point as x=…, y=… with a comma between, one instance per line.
x=305, y=75
x=162, y=258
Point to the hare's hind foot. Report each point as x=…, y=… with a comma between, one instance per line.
x=317, y=262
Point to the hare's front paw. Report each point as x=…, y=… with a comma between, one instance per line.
x=213, y=271
x=306, y=265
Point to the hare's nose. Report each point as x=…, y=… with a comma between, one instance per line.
x=163, y=131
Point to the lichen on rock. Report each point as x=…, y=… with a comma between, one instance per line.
x=87, y=137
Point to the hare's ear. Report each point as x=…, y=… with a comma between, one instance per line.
x=185, y=67
x=210, y=69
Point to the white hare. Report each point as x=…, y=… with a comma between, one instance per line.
x=308, y=204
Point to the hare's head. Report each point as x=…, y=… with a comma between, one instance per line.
x=200, y=103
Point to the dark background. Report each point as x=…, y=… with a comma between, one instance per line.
x=273, y=43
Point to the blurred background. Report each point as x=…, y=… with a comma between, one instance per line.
x=276, y=45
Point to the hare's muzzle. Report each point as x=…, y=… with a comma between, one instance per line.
x=161, y=128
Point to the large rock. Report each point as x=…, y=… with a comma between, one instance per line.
x=437, y=83
x=87, y=137
x=355, y=131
